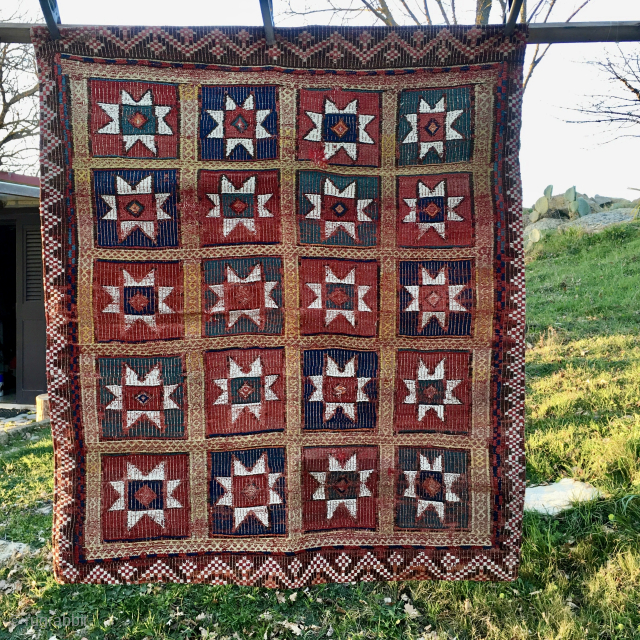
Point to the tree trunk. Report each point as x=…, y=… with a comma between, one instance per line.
x=483, y=9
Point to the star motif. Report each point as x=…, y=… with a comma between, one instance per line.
x=427, y=482
x=249, y=491
x=137, y=121
x=139, y=398
x=240, y=297
x=427, y=210
x=435, y=298
x=136, y=207
x=333, y=390
x=142, y=304
x=339, y=129
x=239, y=206
x=349, y=286
x=342, y=479
x=338, y=209
x=239, y=125
x=430, y=134
x=427, y=392
x=148, y=491
x=255, y=384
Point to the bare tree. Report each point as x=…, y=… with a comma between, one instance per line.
x=544, y=8
x=420, y=12
x=620, y=109
x=18, y=104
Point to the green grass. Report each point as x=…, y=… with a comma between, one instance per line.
x=580, y=574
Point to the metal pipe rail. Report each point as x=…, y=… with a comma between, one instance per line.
x=542, y=33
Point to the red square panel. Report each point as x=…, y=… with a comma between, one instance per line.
x=138, y=301
x=145, y=497
x=239, y=207
x=339, y=127
x=339, y=488
x=435, y=211
x=433, y=391
x=133, y=119
x=245, y=391
x=338, y=296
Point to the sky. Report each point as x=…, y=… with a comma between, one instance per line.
x=553, y=150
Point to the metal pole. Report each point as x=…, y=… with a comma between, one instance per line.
x=550, y=33
x=267, y=19
x=51, y=15
x=510, y=27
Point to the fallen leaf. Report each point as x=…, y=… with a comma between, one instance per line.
x=293, y=627
x=410, y=610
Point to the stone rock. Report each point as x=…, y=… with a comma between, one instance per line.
x=603, y=200
x=555, y=498
x=46, y=510
x=4, y=437
x=543, y=225
x=10, y=549
x=598, y=221
x=558, y=204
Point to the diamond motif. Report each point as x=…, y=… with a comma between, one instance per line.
x=135, y=208
x=340, y=128
x=240, y=124
x=245, y=390
x=143, y=398
x=145, y=495
x=339, y=209
x=138, y=120
x=432, y=127
x=339, y=297
x=139, y=302
x=239, y=206
x=432, y=209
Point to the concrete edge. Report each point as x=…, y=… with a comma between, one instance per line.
x=21, y=428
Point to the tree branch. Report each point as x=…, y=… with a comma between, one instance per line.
x=537, y=59
x=377, y=14
x=443, y=12
x=406, y=6
x=426, y=13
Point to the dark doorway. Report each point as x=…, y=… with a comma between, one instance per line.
x=8, y=351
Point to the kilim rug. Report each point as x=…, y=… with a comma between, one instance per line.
x=285, y=303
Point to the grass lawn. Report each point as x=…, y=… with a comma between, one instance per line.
x=580, y=574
